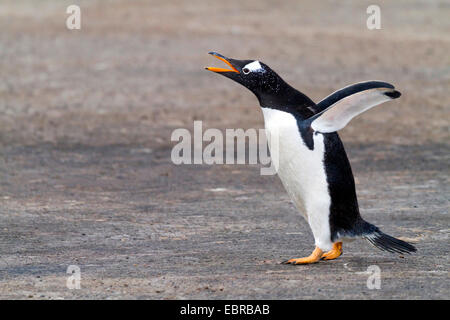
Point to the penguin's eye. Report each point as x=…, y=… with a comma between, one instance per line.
x=246, y=70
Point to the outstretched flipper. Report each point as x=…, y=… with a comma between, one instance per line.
x=343, y=105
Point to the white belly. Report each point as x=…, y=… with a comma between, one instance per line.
x=301, y=171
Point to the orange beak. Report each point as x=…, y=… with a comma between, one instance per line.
x=220, y=57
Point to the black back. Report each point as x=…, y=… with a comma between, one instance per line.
x=345, y=218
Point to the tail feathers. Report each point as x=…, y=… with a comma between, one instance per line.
x=387, y=243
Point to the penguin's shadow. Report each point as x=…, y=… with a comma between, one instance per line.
x=360, y=264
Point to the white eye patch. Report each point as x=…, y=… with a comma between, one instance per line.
x=254, y=66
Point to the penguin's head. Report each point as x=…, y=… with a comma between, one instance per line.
x=252, y=74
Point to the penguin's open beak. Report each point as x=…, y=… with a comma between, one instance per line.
x=224, y=59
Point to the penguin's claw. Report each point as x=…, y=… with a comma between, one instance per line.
x=335, y=252
x=313, y=258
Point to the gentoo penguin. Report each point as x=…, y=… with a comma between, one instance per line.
x=312, y=163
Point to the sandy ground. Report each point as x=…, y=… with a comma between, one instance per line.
x=85, y=172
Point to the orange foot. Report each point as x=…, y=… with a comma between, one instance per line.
x=333, y=253
x=313, y=258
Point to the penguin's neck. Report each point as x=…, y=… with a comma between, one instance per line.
x=283, y=97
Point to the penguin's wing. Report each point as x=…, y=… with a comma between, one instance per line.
x=348, y=91
x=345, y=104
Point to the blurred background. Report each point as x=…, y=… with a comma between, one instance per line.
x=85, y=123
